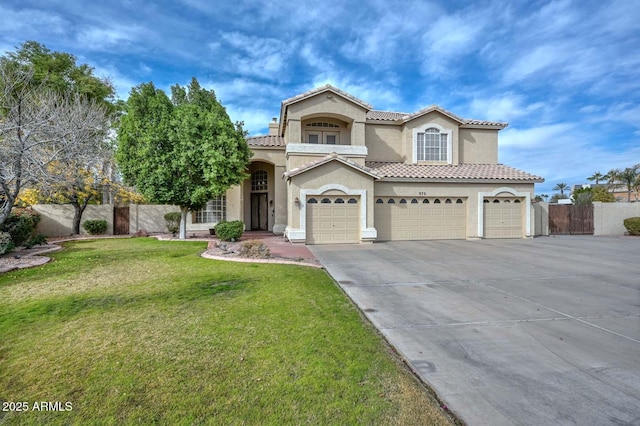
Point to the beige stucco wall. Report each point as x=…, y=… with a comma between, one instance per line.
x=608, y=218
x=57, y=220
x=478, y=146
x=384, y=143
x=469, y=191
x=540, y=218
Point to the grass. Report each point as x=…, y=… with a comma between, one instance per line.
x=138, y=331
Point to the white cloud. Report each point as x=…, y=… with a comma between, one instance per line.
x=105, y=38
x=505, y=107
x=537, y=137
x=256, y=56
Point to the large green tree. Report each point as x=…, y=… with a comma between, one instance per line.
x=182, y=150
x=60, y=72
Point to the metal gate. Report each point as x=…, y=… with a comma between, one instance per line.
x=121, y=220
x=569, y=219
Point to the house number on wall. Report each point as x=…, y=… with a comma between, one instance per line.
x=422, y=193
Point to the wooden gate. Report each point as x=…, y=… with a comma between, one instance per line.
x=121, y=220
x=569, y=219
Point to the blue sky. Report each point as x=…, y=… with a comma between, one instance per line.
x=565, y=74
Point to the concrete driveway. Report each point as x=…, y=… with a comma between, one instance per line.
x=543, y=331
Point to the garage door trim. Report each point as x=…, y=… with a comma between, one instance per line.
x=365, y=233
x=514, y=193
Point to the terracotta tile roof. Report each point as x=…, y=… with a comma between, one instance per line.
x=455, y=172
x=323, y=89
x=405, y=117
x=265, y=140
x=385, y=115
x=331, y=157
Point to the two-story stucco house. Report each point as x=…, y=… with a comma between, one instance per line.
x=335, y=170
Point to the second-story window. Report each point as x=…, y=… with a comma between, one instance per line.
x=432, y=144
x=322, y=133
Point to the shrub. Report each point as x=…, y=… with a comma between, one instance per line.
x=229, y=231
x=255, y=249
x=21, y=225
x=95, y=227
x=173, y=222
x=633, y=225
x=6, y=243
x=38, y=240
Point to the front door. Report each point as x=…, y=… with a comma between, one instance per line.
x=259, y=212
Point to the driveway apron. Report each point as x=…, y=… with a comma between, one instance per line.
x=527, y=332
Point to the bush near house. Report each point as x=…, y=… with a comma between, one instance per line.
x=172, y=220
x=21, y=225
x=633, y=225
x=6, y=243
x=95, y=227
x=255, y=249
x=229, y=231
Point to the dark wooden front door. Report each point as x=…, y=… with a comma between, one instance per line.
x=259, y=212
x=121, y=220
x=569, y=219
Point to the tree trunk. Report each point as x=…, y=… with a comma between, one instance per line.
x=183, y=223
x=78, y=210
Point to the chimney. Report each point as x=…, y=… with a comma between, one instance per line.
x=273, y=127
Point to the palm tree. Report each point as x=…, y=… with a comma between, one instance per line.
x=561, y=187
x=628, y=178
x=545, y=196
x=612, y=177
x=597, y=176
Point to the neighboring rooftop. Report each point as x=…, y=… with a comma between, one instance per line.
x=395, y=170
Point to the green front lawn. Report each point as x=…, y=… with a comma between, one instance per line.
x=138, y=331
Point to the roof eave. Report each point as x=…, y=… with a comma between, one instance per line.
x=458, y=180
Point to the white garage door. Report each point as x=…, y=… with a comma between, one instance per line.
x=333, y=219
x=503, y=217
x=398, y=218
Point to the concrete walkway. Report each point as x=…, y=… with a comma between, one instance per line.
x=512, y=332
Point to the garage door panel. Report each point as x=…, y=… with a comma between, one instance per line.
x=420, y=220
x=503, y=217
x=333, y=223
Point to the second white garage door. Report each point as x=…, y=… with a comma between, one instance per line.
x=424, y=218
x=503, y=217
x=333, y=219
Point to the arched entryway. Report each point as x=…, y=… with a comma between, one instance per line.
x=258, y=197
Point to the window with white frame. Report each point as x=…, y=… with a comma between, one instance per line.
x=433, y=144
x=214, y=211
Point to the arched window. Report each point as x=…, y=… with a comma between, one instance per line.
x=326, y=201
x=517, y=201
x=425, y=201
x=378, y=201
x=496, y=201
x=485, y=201
x=312, y=201
x=437, y=201
x=507, y=201
x=259, y=180
x=458, y=201
x=339, y=201
x=391, y=201
x=448, y=201
x=414, y=201
x=354, y=201
x=432, y=145
x=403, y=201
